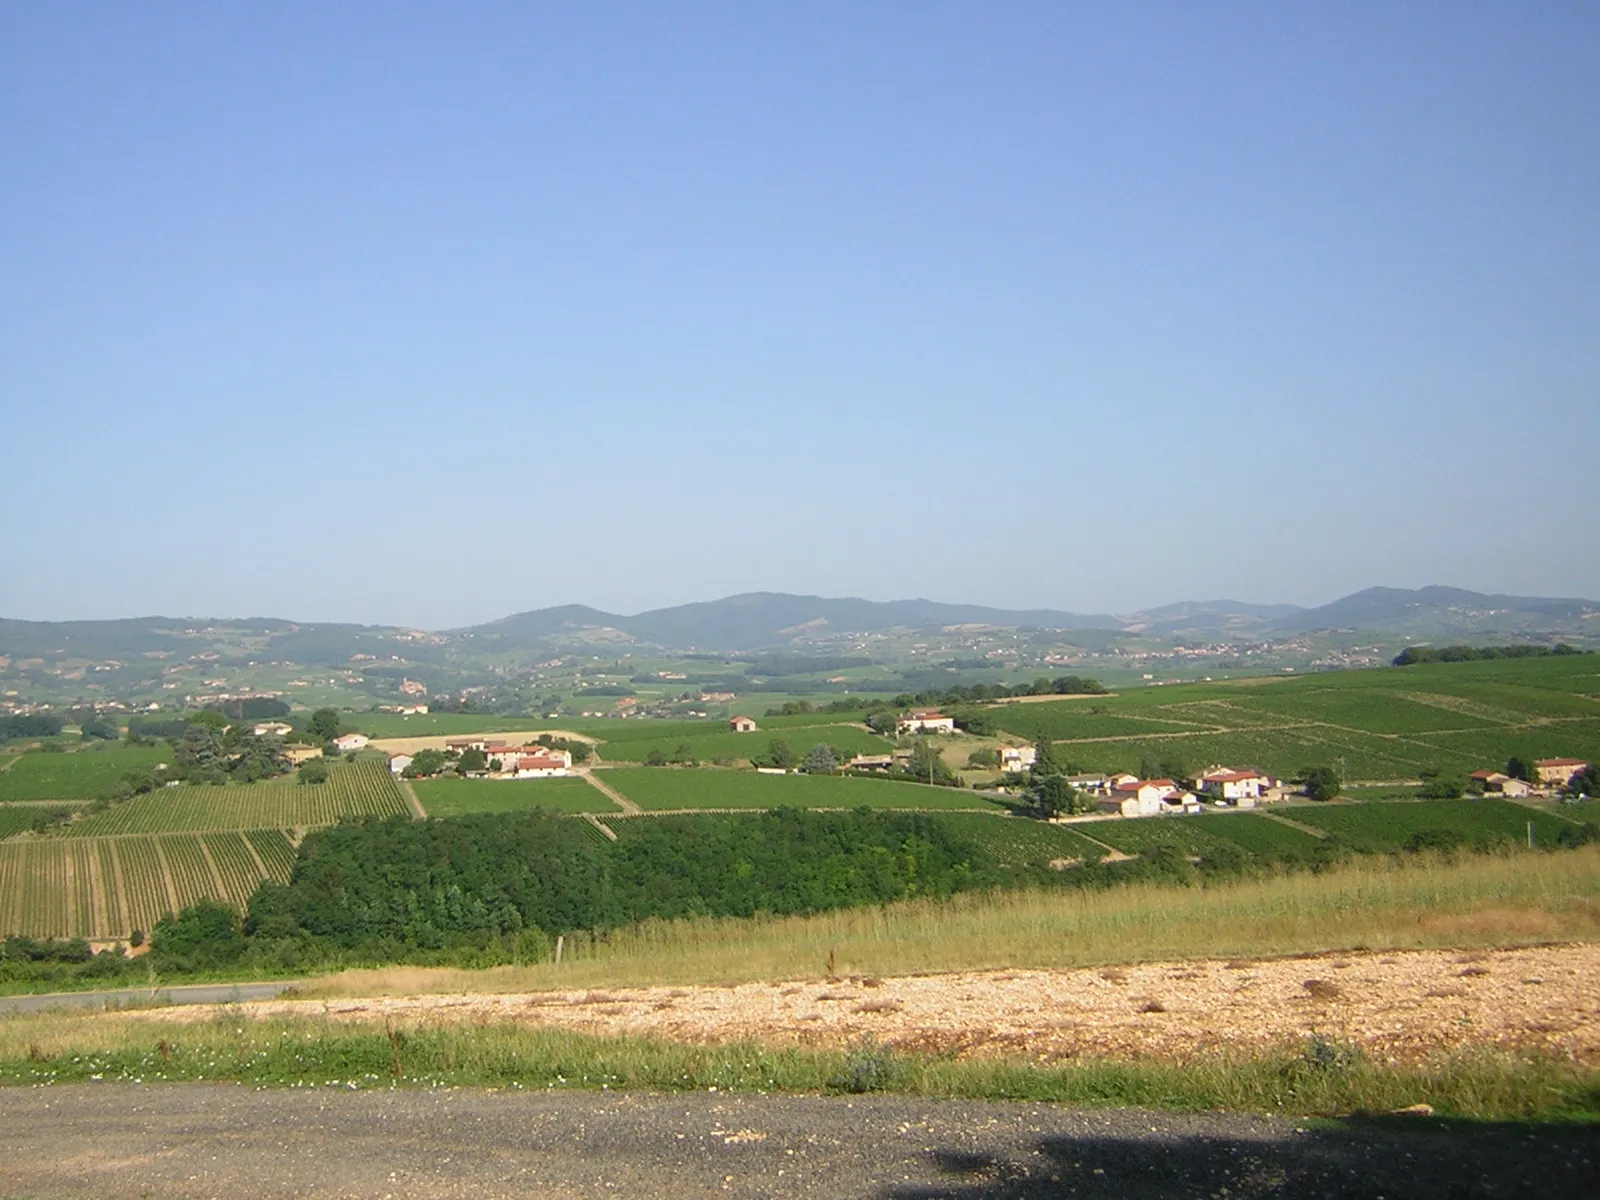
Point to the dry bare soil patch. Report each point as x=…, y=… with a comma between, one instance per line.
x=1398, y=1006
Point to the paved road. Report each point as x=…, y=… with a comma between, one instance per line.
x=200, y=1140
x=192, y=993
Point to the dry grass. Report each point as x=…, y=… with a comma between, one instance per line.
x=1372, y=904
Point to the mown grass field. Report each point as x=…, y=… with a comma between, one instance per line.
x=453, y=797
x=84, y=774
x=353, y=790
x=669, y=788
x=1390, y=723
x=107, y=887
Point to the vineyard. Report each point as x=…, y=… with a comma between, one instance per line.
x=124, y=867
x=667, y=789
x=454, y=796
x=353, y=790
x=1018, y=843
x=1387, y=826
x=80, y=775
x=105, y=888
x=1375, y=724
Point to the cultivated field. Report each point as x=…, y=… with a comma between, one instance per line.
x=455, y=796
x=77, y=775
x=669, y=788
x=1388, y=825
x=353, y=790
x=1380, y=724
x=632, y=741
x=105, y=888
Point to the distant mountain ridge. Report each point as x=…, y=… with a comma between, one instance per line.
x=758, y=620
x=755, y=619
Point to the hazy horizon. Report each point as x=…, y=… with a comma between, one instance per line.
x=425, y=317
x=301, y=619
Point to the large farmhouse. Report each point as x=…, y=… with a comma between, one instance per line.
x=925, y=720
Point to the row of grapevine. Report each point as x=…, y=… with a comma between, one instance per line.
x=145, y=875
x=275, y=850
x=108, y=887
x=353, y=790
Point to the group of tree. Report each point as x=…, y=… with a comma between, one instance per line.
x=1321, y=783
x=1456, y=654
x=94, y=725
x=212, y=751
x=31, y=725
x=1048, y=792
x=251, y=708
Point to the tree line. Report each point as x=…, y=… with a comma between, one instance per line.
x=1412, y=655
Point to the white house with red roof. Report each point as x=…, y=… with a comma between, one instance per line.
x=925, y=720
x=1142, y=797
x=1016, y=759
x=1502, y=784
x=742, y=724
x=1235, y=784
x=540, y=763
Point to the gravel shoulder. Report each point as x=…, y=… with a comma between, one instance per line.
x=184, y=1142
x=1398, y=1006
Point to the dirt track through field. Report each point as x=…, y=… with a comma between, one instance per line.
x=1398, y=1006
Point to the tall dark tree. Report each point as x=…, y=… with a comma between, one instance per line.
x=324, y=725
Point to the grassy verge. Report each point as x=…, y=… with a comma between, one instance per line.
x=1372, y=903
x=1315, y=1079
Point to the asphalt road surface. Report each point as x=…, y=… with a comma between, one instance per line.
x=204, y=1140
x=191, y=993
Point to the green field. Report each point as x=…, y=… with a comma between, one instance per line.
x=452, y=797
x=1379, y=724
x=77, y=775
x=353, y=790
x=1381, y=826
x=14, y=818
x=105, y=888
x=660, y=789
x=1188, y=835
x=1019, y=843
x=396, y=725
x=1258, y=834
x=632, y=741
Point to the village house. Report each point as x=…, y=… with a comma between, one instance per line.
x=871, y=762
x=1499, y=783
x=925, y=720
x=742, y=725
x=410, y=687
x=349, y=743
x=1017, y=758
x=1094, y=784
x=272, y=729
x=1238, y=785
x=1147, y=798
x=299, y=754
x=1559, y=771
x=541, y=763
x=398, y=763
x=462, y=745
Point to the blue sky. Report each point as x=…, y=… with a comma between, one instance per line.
x=428, y=314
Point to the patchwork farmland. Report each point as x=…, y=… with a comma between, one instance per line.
x=104, y=888
x=353, y=790
x=1380, y=725
x=120, y=869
